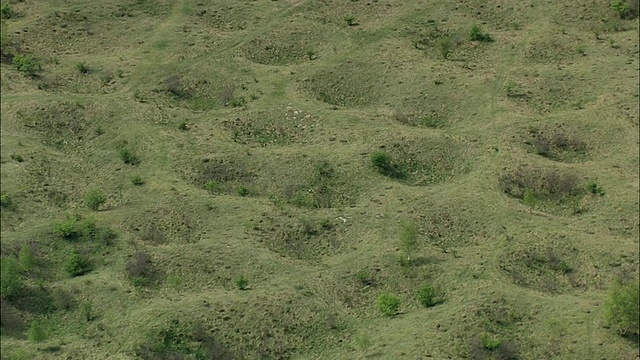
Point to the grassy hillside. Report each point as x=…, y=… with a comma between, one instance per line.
x=319, y=179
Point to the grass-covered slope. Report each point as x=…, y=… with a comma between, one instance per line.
x=303, y=179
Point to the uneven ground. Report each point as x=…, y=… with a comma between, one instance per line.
x=253, y=124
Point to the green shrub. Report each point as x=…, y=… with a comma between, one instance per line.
x=625, y=9
x=5, y=201
x=27, y=64
x=94, y=199
x=183, y=126
x=82, y=68
x=490, y=343
x=137, y=180
x=428, y=296
x=408, y=238
x=10, y=278
x=37, y=332
x=212, y=186
x=351, y=20
x=67, y=230
x=364, y=277
x=17, y=157
x=388, y=304
x=241, y=282
x=383, y=162
x=243, y=191
x=6, y=11
x=77, y=265
x=128, y=157
x=477, y=34
x=87, y=311
x=593, y=188
x=621, y=307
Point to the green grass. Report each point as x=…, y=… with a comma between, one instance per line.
x=340, y=163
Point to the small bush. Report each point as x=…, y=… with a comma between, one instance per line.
x=5, y=201
x=626, y=9
x=388, y=304
x=241, y=282
x=94, y=199
x=77, y=265
x=428, y=296
x=477, y=34
x=183, y=126
x=383, y=162
x=128, y=157
x=17, y=157
x=137, y=180
x=490, y=343
x=67, y=230
x=10, y=278
x=622, y=309
x=6, y=11
x=593, y=188
x=82, y=68
x=87, y=311
x=243, y=191
x=365, y=278
x=37, y=332
x=408, y=238
x=27, y=64
x=351, y=20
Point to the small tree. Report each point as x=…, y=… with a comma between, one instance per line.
x=241, y=282
x=622, y=309
x=27, y=64
x=94, y=199
x=10, y=278
x=427, y=296
x=77, y=265
x=388, y=304
x=37, y=333
x=408, y=238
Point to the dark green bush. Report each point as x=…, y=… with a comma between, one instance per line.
x=5, y=201
x=428, y=296
x=593, y=188
x=77, y=265
x=477, y=34
x=27, y=64
x=388, y=304
x=37, y=332
x=622, y=309
x=241, y=282
x=626, y=9
x=383, y=162
x=183, y=126
x=67, y=230
x=82, y=68
x=94, y=199
x=137, y=180
x=6, y=11
x=351, y=20
x=10, y=278
x=128, y=157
